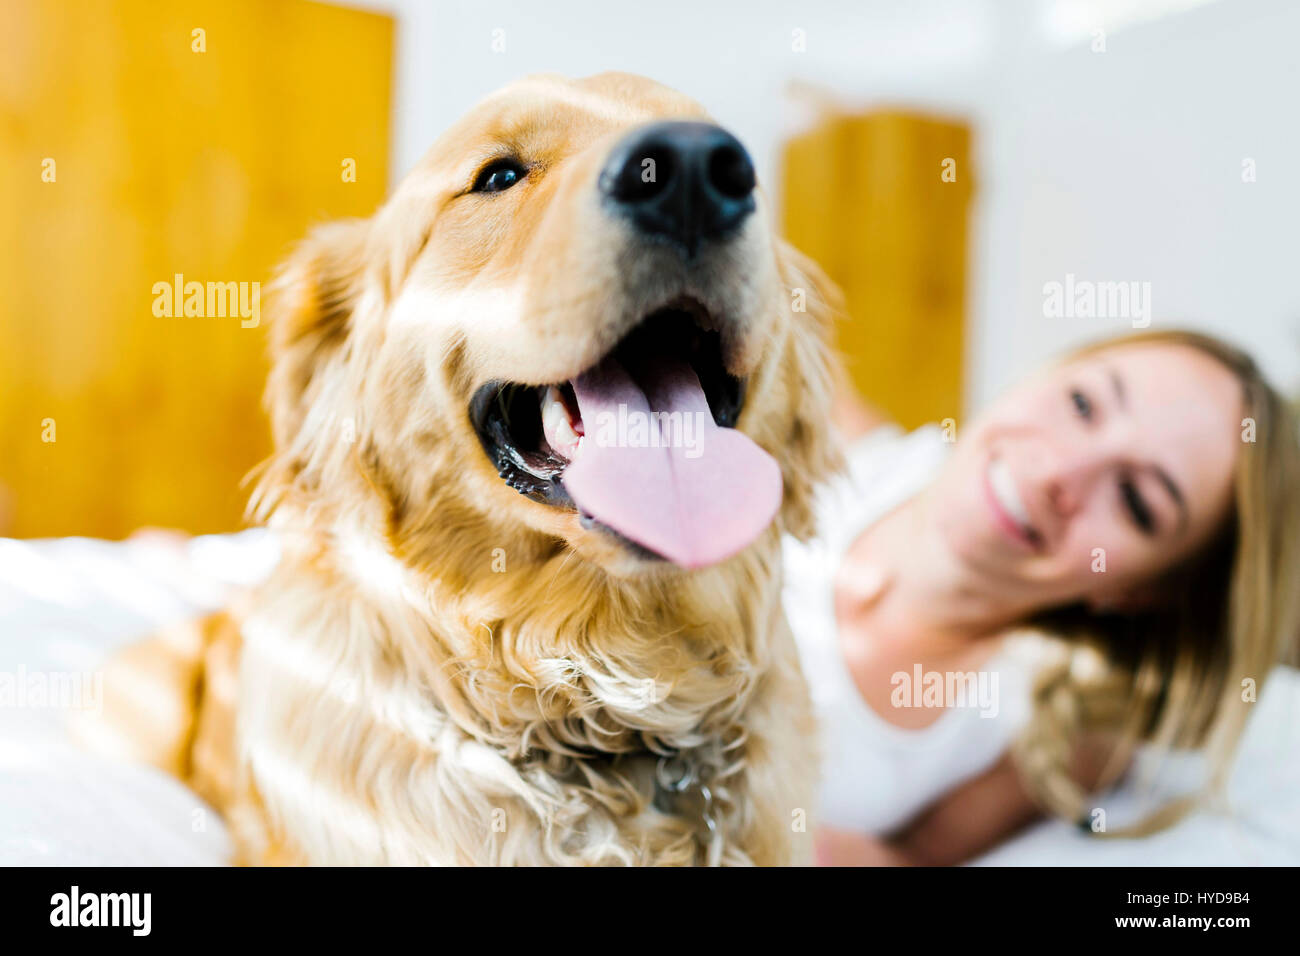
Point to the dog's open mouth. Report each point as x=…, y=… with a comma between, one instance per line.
x=641, y=444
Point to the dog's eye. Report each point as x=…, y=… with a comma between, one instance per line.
x=499, y=175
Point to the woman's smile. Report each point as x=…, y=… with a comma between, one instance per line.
x=1007, y=506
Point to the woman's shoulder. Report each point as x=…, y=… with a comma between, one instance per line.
x=889, y=447
x=884, y=467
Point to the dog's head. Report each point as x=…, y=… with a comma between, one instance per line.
x=571, y=324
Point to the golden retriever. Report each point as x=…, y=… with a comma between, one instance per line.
x=511, y=623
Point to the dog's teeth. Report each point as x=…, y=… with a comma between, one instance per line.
x=556, y=424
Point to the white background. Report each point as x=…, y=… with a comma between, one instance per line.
x=1122, y=165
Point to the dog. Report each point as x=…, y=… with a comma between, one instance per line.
x=523, y=613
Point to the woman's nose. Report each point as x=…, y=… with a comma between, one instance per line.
x=1061, y=496
x=1068, y=475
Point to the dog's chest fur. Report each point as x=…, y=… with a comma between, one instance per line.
x=416, y=727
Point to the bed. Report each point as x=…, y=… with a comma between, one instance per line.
x=66, y=604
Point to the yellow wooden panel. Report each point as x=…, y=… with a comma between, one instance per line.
x=167, y=161
x=866, y=197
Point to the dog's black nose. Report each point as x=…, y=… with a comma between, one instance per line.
x=683, y=182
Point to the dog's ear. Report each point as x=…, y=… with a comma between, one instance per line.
x=310, y=305
x=311, y=302
x=812, y=454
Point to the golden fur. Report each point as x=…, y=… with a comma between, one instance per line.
x=441, y=670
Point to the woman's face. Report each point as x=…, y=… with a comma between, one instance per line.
x=1090, y=479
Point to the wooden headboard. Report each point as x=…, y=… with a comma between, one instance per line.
x=144, y=140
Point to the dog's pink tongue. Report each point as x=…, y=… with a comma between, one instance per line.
x=682, y=487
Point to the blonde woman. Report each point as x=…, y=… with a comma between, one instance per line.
x=1139, y=502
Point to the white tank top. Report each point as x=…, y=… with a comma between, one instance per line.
x=877, y=776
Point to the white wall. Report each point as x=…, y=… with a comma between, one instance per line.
x=1128, y=165
x=735, y=57
x=1123, y=165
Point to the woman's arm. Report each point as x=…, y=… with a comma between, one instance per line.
x=967, y=821
x=962, y=824
x=975, y=817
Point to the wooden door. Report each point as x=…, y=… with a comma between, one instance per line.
x=881, y=200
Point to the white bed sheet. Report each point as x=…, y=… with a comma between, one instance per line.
x=67, y=604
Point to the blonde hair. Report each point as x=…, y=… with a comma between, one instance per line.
x=1175, y=676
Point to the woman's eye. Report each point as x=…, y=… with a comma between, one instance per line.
x=498, y=176
x=1136, y=506
x=1082, y=405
